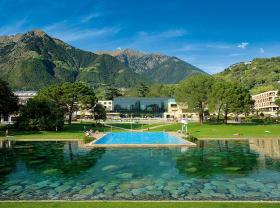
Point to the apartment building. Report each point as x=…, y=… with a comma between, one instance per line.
x=265, y=102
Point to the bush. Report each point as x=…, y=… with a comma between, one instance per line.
x=40, y=115
x=191, y=138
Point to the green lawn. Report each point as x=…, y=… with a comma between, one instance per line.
x=75, y=131
x=227, y=131
x=136, y=205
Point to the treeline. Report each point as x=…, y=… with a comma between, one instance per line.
x=49, y=108
x=204, y=93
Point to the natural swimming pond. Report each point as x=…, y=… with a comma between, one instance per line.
x=214, y=170
x=120, y=138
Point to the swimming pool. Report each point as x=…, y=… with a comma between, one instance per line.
x=140, y=138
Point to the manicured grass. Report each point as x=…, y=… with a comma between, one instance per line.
x=136, y=205
x=76, y=130
x=73, y=131
x=227, y=131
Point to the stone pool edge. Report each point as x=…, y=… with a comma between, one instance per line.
x=174, y=134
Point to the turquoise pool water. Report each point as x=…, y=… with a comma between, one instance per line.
x=139, y=138
x=214, y=170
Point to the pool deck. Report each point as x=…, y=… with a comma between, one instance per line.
x=175, y=134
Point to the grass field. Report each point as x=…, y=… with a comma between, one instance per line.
x=75, y=131
x=227, y=131
x=136, y=205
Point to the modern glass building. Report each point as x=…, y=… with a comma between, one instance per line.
x=142, y=105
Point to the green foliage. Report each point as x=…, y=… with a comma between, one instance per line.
x=70, y=96
x=111, y=93
x=229, y=97
x=99, y=112
x=40, y=114
x=202, y=92
x=8, y=101
x=260, y=72
x=143, y=90
x=195, y=92
x=277, y=102
x=162, y=90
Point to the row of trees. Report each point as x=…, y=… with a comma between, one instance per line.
x=52, y=104
x=48, y=109
x=201, y=92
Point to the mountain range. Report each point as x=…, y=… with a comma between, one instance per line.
x=34, y=60
x=157, y=67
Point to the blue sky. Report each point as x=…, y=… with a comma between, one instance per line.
x=211, y=34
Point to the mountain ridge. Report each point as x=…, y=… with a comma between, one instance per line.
x=154, y=63
x=32, y=60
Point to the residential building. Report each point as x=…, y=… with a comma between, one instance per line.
x=23, y=96
x=265, y=102
x=108, y=104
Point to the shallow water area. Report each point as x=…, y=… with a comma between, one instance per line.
x=214, y=170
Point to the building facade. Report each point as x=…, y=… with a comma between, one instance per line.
x=154, y=106
x=24, y=96
x=265, y=102
x=108, y=104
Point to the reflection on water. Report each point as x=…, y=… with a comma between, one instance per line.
x=214, y=170
x=266, y=147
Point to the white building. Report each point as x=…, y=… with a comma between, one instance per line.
x=23, y=96
x=108, y=104
x=265, y=102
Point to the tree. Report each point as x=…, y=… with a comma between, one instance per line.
x=241, y=100
x=111, y=93
x=228, y=98
x=143, y=90
x=277, y=102
x=195, y=92
x=40, y=114
x=220, y=97
x=99, y=112
x=71, y=97
x=8, y=100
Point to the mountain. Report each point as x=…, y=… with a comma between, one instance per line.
x=257, y=73
x=33, y=60
x=158, y=68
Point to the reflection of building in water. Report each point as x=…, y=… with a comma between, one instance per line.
x=266, y=147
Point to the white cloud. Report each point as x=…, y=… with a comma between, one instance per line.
x=262, y=50
x=71, y=33
x=243, y=45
